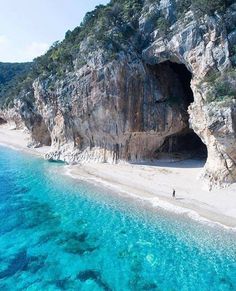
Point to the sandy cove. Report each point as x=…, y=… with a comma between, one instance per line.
x=153, y=182
x=19, y=139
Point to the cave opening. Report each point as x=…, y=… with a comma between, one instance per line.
x=184, y=76
x=184, y=144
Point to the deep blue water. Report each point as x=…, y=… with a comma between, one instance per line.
x=61, y=234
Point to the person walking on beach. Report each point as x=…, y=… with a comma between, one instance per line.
x=173, y=194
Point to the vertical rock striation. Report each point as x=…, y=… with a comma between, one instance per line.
x=126, y=107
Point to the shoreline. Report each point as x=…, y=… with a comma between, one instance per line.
x=18, y=139
x=151, y=182
x=195, y=210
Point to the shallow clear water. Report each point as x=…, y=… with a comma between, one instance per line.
x=61, y=234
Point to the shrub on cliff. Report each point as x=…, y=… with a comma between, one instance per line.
x=223, y=86
x=208, y=6
x=113, y=28
x=202, y=7
x=163, y=25
x=109, y=27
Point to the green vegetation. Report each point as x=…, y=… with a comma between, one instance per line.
x=182, y=6
x=223, y=86
x=111, y=28
x=202, y=7
x=9, y=71
x=209, y=6
x=163, y=25
x=13, y=77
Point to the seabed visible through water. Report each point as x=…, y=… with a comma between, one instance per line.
x=61, y=234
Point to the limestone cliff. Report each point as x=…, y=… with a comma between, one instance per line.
x=131, y=103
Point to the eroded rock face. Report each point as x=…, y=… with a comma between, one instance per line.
x=126, y=108
x=35, y=123
x=11, y=115
x=215, y=123
x=202, y=45
x=120, y=111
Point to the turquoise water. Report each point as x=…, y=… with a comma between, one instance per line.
x=61, y=234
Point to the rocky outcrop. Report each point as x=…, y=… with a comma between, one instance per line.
x=35, y=123
x=11, y=115
x=128, y=107
x=203, y=46
x=120, y=111
x=215, y=123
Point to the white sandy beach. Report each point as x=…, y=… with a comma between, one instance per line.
x=18, y=139
x=153, y=182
